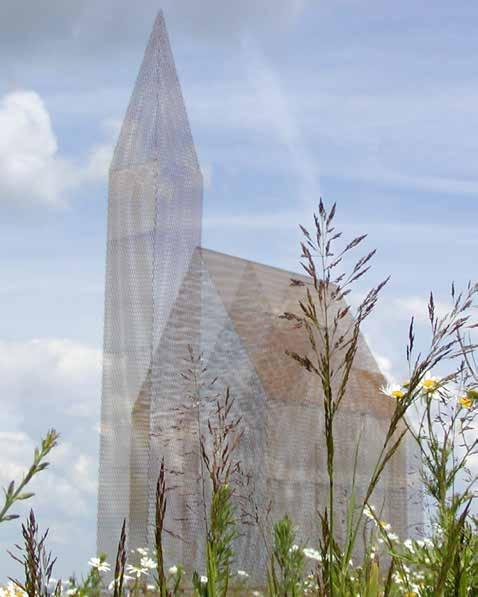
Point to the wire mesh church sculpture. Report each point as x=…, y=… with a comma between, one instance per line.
x=167, y=298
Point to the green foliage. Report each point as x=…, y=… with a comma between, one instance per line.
x=222, y=467
x=92, y=585
x=443, y=564
x=15, y=493
x=285, y=576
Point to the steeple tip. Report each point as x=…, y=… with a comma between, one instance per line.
x=156, y=123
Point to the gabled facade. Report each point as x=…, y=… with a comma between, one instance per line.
x=168, y=297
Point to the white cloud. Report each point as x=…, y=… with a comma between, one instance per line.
x=30, y=168
x=417, y=306
x=58, y=372
x=32, y=171
x=48, y=383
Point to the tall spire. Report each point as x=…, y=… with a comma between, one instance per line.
x=154, y=228
x=156, y=121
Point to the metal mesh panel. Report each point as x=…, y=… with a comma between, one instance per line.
x=154, y=226
x=166, y=297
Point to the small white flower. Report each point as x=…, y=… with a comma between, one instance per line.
x=173, y=570
x=142, y=551
x=99, y=565
x=148, y=563
x=242, y=573
x=393, y=391
x=409, y=544
x=368, y=511
x=430, y=383
x=312, y=554
x=294, y=548
x=137, y=571
x=203, y=580
x=393, y=537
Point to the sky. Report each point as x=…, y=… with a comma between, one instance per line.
x=366, y=103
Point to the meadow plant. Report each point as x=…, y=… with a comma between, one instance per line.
x=16, y=492
x=36, y=561
x=219, y=459
x=438, y=413
x=331, y=357
x=286, y=572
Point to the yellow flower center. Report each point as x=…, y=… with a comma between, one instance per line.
x=429, y=384
x=465, y=402
x=398, y=394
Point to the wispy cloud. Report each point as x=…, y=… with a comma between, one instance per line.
x=45, y=383
x=32, y=170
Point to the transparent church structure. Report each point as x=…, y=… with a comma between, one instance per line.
x=168, y=299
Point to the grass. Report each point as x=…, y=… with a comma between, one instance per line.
x=438, y=413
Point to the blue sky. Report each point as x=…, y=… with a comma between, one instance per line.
x=369, y=104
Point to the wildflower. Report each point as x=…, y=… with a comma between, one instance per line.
x=115, y=581
x=393, y=537
x=465, y=402
x=148, y=563
x=203, y=580
x=408, y=544
x=242, y=573
x=173, y=570
x=294, y=548
x=385, y=526
x=420, y=543
x=312, y=554
x=369, y=512
x=137, y=571
x=99, y=564
x=428, y=542
x=430, y=383
x=393, y=391
x=142, y=551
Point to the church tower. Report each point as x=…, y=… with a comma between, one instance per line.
x=154, y=227
x=168, y=298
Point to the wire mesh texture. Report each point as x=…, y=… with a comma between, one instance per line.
x=167, y=298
